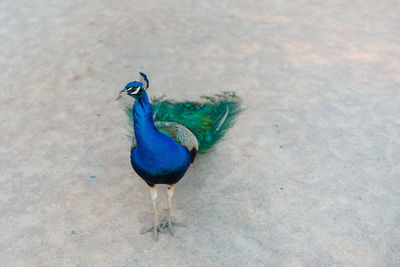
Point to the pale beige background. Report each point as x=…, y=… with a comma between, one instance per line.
x=309, y=175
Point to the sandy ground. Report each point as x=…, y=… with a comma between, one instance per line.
x=308, y=176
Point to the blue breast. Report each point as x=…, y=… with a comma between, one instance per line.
x=165, y=162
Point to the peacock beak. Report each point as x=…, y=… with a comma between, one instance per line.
x=122, y=92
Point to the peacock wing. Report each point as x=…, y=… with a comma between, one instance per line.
x=178, y=133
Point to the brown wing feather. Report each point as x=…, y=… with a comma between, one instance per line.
x=178, y=133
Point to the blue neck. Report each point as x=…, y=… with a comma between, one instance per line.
x=145, y=131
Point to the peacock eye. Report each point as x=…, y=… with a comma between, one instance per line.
x=136, y=90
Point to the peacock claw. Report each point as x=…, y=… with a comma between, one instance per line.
x=170, y=225
x=155, y=229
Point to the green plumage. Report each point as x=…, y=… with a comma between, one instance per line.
x=208, y=120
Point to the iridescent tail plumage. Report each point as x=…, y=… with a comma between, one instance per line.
x=208, y=120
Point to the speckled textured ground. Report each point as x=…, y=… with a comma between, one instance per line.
x=309, y=175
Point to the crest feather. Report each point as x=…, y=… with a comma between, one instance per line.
x=144, y=80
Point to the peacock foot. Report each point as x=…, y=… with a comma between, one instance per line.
x=169, y=224
x=155, y=229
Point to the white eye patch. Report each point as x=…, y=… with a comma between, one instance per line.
x=136, y=91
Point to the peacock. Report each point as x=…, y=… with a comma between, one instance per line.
x=168, y=135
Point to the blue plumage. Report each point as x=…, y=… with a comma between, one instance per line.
x=162, y=152
x=157, y=158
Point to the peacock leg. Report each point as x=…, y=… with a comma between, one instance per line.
x=168, y=222
x=156, y=227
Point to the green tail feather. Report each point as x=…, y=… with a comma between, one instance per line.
x=208, y=121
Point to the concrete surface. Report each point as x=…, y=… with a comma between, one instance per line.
x=309, y=175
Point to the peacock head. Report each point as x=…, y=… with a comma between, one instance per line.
x=135, y=89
